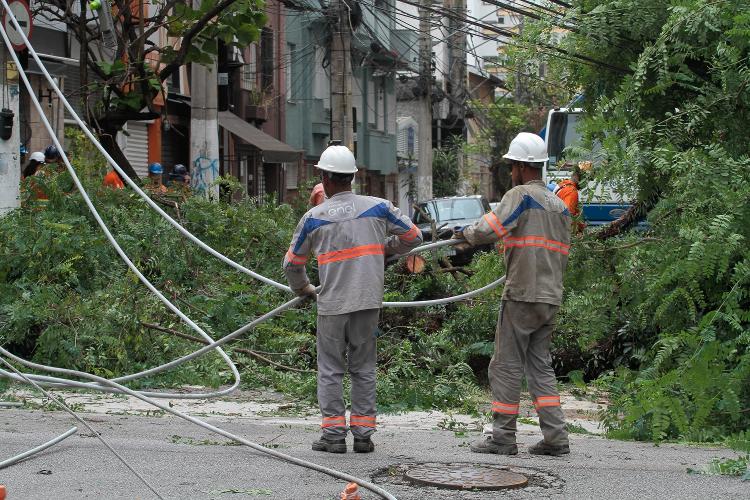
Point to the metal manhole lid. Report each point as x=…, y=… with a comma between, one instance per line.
x=466, y=477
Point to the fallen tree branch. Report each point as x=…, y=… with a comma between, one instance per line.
x=249, y=352
x=647, y=239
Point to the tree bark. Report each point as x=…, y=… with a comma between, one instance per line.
x=109, y=142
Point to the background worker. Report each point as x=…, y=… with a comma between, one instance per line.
x=155, y=184
x=567, y=190
x=180, y=176
x=52, y=155
x=113, y=180
x=318, y=195
x=535, y=227
x=35, y=161
x=349, y=234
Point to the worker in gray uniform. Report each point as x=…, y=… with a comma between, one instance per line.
x=351, y=236
x=534, y=226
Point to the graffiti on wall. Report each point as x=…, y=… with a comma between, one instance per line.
x=205, y=172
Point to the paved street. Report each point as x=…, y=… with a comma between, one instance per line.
x=184, y=461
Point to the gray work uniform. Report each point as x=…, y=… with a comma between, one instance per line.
x=534, y=226
x=350, y=235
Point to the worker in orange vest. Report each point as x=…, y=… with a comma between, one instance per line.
x=567, y=191
x=113, y=180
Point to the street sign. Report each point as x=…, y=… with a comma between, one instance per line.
x=20, y=10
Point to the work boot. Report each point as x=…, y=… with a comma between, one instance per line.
x=329, y=445
x=363, y=445
x=542, y=448
x=489, y=446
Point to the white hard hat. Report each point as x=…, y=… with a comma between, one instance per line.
x=527, y=147
x=338, y=160
x=37, y=156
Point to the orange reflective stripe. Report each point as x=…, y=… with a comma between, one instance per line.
x=293, y=258
x=495, y=224
x=539, y=242
x=362, y=421
x=544, y=401
x=350, y=253
x=410, y=235
x=507, y=408
x=339, y=421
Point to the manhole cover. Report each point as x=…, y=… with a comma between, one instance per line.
x=466, y=477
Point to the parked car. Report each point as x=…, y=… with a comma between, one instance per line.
x=448, y=213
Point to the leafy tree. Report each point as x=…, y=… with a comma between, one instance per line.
x=122, y=83
x=669, y=310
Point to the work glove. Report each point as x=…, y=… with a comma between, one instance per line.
x=458, y=234
x=307, y=291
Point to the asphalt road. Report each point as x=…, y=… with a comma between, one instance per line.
x=186, y=462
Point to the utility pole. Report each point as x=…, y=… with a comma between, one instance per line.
x=424, y=167
x=341, y=76
x=204, y=127
x=10, y=167
x=457, y=79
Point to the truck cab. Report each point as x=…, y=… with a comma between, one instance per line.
x=599, y=202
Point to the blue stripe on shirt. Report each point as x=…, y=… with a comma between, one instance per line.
x=526, y=203
x=311, y=225
x=381, y=210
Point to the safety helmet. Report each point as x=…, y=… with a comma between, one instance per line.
x=37, y=156
x=179, y=169
x=51, y=152
x=337, y=160
x=527, y=147
x=155, y=168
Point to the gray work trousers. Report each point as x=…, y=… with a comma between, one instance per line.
x=522, y=340
x=351, y=336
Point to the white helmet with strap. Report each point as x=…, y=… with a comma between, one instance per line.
x=337, y=160
x=527, y=147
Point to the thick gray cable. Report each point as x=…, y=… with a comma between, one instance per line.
x=108, y=234
x=41, y=447
x=103, y=381
x=75, y=416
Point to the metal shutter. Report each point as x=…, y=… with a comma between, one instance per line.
x=136, y=148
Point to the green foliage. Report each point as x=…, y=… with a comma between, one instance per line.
x=663, y=315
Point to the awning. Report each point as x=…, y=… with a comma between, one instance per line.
x=274, y=151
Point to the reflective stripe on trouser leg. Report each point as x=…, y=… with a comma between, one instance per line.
x=543, y=384
x=331, y=345
x=505, y=373
x=362, y=350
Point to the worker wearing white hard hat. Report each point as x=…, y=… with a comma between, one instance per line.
x=534, y=226
x=350, y=235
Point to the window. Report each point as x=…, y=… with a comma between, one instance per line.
x=266, y=58
x=500, y=19
x=291, y=175
x=249, y=69
x=291, y=54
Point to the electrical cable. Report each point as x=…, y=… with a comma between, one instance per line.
x=41, y=447
x=67, y=409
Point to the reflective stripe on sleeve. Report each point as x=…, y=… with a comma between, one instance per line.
x=410, y=235
x=350, y=253
x=293, y=258
x=495, y=224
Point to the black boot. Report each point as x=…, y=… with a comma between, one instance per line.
x=329, y=445
x=363, y=445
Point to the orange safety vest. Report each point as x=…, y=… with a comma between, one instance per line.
x=112, y=180
x=567, y=191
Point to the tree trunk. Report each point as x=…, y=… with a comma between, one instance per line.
x=631, y=216
x=107, y=138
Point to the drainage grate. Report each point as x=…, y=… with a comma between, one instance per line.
x=466, y=476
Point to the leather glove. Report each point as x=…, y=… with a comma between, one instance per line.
x=458, y=234
x=307, y=291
